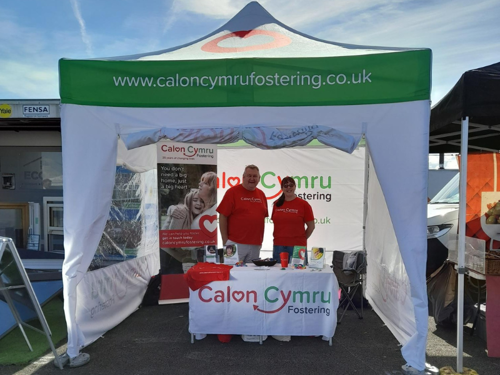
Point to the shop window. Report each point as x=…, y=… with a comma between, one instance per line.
x=14, y=222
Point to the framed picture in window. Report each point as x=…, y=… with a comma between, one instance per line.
x=33, y=242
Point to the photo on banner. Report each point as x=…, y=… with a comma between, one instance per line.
x=187, y=199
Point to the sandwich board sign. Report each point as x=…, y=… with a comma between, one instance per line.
x=17, y=292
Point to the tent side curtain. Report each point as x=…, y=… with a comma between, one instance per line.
x=260, y=137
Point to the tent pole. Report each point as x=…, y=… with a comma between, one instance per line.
x=365, y=194
x=461, y=243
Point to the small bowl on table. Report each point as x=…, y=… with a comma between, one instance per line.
x=264, y=262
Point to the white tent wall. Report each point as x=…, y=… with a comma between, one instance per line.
x=401, y=166
x=339, y=175
x=87, y=200
x=388, y=286
x=107, y=296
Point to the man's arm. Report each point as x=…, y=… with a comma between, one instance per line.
x=223, y=228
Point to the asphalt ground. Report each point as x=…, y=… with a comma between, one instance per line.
x=155, y=340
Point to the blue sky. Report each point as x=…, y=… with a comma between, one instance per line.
x=35, y=34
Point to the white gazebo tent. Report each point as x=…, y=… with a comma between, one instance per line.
x=254, y=79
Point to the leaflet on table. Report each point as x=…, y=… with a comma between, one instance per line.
x=299, y=255
x=317, y=258
x=231, y=254
x=211, y=253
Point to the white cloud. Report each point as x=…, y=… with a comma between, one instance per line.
x=450, y=28
x=172, y=12
x=23, y=80
x=219, y=9
x=18, y=41
x=85, y=38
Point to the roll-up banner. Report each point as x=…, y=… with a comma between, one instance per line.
x=187, y=199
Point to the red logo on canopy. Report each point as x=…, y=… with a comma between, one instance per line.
x=280, y=40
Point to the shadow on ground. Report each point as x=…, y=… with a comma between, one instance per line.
x=155, y=340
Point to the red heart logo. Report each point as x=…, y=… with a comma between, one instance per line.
x=302, y=253
x=230, y=179
x=238, y=296
x=279, y=40
x=208, y=225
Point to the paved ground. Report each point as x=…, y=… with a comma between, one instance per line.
x=155, y=340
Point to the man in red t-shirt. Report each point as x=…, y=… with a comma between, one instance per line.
x=241, y=215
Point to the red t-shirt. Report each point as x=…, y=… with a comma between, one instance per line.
x=246, y=211
x=289, y=220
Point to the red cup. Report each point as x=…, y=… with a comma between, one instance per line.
x=284, y=259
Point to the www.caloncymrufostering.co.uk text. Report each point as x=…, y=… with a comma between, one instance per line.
x=314, y=81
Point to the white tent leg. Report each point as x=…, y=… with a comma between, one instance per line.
x=461, y=243
x=365, y=194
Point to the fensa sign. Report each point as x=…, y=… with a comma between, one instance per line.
x=36, y=110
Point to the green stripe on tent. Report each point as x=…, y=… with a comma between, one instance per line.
x=368, y=79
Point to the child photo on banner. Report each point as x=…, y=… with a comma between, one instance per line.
x=210, y=253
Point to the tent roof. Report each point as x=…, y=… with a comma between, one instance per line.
x=254, y=32
x=476, y=95
x=252, y=60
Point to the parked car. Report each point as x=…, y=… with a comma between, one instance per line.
x=442, y=223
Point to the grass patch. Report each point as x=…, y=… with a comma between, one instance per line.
x=13, y=347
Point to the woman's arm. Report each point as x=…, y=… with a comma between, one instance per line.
x=310, y=228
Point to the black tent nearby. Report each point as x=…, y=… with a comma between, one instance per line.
x=469, y=113
x=477, y=96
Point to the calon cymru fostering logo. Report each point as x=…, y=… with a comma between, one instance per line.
x=317, y=187
x=174, y=152
x=290, y=301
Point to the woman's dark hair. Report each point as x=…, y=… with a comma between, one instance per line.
x=279, y=202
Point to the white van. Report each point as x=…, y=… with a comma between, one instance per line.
x=442, y=223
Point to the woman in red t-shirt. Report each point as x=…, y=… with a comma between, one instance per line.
x=293, y=220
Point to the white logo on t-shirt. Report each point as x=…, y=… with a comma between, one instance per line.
x=287, y=210
x=252, y=200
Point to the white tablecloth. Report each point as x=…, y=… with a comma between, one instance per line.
x=267, y=302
